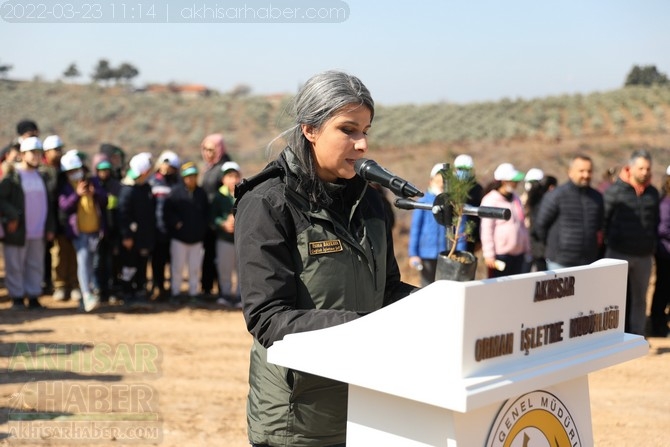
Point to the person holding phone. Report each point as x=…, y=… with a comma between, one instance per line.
x=83, y=201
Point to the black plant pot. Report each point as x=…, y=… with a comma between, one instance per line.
x=462, y=267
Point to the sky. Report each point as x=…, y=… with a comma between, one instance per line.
x=418, y=52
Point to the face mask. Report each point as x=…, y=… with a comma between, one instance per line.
x=435, y=190
x=463, y=174
x=75, y=176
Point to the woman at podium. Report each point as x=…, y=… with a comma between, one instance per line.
x=314, y=251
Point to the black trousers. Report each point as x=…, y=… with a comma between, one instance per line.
x=134, y=272
x=209, y=274
x=160, y=258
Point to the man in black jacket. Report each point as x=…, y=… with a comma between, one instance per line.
x=570, y=218
x=631, y=223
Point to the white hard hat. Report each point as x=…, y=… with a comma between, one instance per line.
x=31, y=144
x=70, y=160
x=507, y=172
x=464, y=161
x=171, y=158
x=230, y=166
x=534, y=174
x=437, y=168
x=53, y=142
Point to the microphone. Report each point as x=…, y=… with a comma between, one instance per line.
x=372, y=172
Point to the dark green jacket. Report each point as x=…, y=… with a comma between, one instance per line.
x=12, y=207
x=303, y=269
x=222, y=206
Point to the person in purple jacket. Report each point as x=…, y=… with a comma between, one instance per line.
x=83, y=201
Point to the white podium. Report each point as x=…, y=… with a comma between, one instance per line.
x=498, y=362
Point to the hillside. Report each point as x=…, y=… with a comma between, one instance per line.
x=407, y=139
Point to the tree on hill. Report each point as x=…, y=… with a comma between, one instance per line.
x=645, y=75
x=125, y=72
x=72, y=71
x=103, y=71
x=4, y=69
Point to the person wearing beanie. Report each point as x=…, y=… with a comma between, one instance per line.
x=185, y=213
x=214, y=155
x=83, y=202
x=26, y=228
x=223, y=221
x=162, y=181
x=137, y=224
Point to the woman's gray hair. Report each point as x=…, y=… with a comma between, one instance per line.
x=322, y=96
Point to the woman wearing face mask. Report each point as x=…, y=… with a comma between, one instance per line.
x=83, y=202
x=505, y=243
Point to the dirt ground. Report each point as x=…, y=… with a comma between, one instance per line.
x=190, y=364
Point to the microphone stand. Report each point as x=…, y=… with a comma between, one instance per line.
x=443, y=212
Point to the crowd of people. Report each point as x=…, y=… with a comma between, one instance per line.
x=99, y=223
x=87, y=227
x=556, y=226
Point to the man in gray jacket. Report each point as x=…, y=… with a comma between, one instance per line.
x=570, y=218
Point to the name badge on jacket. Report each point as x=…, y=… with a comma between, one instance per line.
x=325, y=247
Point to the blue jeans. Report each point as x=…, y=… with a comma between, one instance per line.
x=86, y=245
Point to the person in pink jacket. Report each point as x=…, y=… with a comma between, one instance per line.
x=505, y=243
